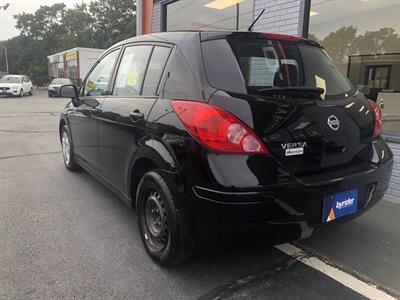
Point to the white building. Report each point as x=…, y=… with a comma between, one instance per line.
x=73, y=63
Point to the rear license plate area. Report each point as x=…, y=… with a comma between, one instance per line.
x=339, y=205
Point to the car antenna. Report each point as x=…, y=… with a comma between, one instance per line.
x=255, y=21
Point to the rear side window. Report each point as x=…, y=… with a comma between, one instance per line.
x=155, y=69
x=249, y=65
x=180, y=82
x=132, y=70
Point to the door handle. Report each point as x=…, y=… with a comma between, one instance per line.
x=136, y=115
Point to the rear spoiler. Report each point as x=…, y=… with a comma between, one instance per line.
x=217, y=35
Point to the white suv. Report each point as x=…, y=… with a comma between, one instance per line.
x=15, y=85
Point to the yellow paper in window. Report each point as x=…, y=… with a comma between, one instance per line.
x=321, y=83
x=91, y=85
x=132, y=79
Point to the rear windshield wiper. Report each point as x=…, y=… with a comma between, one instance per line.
x=294, y=89
x=307, y=92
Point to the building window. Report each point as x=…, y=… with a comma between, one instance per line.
x=207, y=15
x=71, y=66
x=56, y=66
x=377, y=76
x=363, y=39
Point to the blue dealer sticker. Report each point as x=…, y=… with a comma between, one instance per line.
x=339, y=205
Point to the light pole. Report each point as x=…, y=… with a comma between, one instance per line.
x=4, y=7
x=5, y=51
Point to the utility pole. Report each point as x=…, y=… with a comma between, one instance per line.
x=4, y=7
x=5, y=51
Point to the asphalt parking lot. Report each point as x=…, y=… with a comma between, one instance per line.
x=64, y=235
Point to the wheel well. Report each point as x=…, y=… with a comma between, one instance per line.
x=140, y=167
x=60, y=127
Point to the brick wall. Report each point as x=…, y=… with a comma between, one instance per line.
x=280, y=16
x=393, y=193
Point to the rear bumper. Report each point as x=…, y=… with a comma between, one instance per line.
x=273, y=214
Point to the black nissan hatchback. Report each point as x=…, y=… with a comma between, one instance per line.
x=216, y=138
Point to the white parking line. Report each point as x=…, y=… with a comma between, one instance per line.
x=367, y=290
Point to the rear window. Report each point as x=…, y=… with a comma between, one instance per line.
x=249, y=65
x=61, y=81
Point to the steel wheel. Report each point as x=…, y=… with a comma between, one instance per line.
x=66, y=148
x=160, y=224
x=156, y=220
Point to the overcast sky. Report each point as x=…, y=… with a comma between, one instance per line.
x=7, y=21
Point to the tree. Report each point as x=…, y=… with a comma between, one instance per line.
x=338, y=45
x=79, y=28
x=384, y=40
x=114, y=21
x=52, y=29
x=345, y=41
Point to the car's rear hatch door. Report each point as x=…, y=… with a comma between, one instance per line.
x=305, y=136
x=307, y=113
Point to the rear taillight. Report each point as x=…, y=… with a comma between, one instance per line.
x=216, y=129
x=377, y=117
x=277, y=36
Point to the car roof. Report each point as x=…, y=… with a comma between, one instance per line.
x=176, y=37
x=168, y=37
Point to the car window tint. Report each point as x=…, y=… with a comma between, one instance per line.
x=97, y=82
x=131, y=71
x=180, y=82
x=251, y=65
x=155, y=69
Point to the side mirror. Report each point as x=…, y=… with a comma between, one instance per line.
x=70, y=91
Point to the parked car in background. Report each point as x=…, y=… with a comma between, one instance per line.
x=221, y=137
x=54, y=87
x=15, y=85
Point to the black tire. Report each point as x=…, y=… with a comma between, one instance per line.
x=50, y=95
x=171, y=245
x=67, y=153
x=21, y=93
x=31, y=92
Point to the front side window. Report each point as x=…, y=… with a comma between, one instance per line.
x=97, y=82
x=132, y=70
